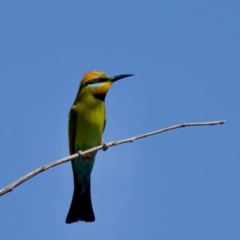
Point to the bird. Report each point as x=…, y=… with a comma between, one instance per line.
x=86, y=124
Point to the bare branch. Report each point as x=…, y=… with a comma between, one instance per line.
x=10, y=187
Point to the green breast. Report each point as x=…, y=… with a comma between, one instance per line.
x=89, y=123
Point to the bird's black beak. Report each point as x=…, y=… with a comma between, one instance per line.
x=115, y=78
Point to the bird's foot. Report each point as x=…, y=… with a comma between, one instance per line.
x=105, y=146
x=80, y=153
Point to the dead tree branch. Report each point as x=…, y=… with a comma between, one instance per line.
x=10, y=187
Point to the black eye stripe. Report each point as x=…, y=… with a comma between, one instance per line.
x=98, y=80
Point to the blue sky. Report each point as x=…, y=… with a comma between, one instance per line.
x=185, y=55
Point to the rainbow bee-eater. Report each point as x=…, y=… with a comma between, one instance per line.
x=87, y=120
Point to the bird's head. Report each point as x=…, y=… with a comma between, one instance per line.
x=98, y=83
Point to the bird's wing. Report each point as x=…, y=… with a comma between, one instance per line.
x=72, y=130
x=104, y=124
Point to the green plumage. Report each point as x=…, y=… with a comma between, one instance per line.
x=88, y=117
x=88, y=120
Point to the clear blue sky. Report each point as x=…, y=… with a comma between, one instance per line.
x=182, y=184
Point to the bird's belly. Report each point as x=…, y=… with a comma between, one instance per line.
x=88, y=135
x=89, y=132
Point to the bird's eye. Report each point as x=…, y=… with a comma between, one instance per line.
x=97, y=80
x=93, y=81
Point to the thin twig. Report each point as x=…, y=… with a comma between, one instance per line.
x=10, y=187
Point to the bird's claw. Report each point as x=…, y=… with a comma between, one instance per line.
x=80, y=153
x=105, y=146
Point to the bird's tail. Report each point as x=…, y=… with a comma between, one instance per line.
x=81, y=206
